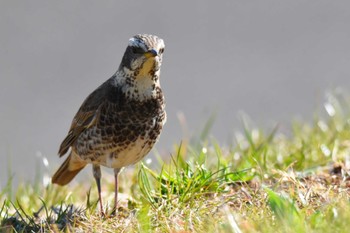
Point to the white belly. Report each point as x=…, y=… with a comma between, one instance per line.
x=130, y=155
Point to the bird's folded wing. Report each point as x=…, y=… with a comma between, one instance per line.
x=86, y=117
x=81, y=121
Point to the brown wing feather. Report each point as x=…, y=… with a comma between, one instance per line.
x=86, y=117
x=82, y=121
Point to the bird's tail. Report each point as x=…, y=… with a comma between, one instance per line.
x=68, y=170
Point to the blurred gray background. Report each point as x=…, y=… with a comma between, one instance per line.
x=273, y=60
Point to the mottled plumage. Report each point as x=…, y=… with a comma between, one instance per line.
x=118, y=124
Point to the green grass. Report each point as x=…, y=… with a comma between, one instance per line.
x=265, y=181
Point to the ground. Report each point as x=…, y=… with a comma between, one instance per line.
x=265, y=181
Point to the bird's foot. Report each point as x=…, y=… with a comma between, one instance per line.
x=120, y=212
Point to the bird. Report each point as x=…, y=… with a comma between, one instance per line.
x=118, y=123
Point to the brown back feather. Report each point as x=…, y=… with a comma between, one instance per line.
x=86, y=117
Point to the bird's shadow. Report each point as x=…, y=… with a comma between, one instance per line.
x=55, y=219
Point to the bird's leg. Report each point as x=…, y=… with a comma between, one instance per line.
x=97, y=174
x=116, y=173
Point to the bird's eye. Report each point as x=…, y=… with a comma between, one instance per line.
x=137, y=50
x=161, y=50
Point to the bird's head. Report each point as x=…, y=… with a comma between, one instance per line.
x=143, y=56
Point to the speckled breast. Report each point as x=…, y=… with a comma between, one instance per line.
x=125, y=131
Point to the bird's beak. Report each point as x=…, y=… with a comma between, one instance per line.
x=151, y=53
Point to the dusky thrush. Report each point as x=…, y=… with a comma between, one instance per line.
x=118, y=123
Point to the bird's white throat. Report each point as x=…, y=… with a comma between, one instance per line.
x=141, y=87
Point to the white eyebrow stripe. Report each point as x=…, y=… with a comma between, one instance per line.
x=137, y=43
x=132, y=41
x=146, y=42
